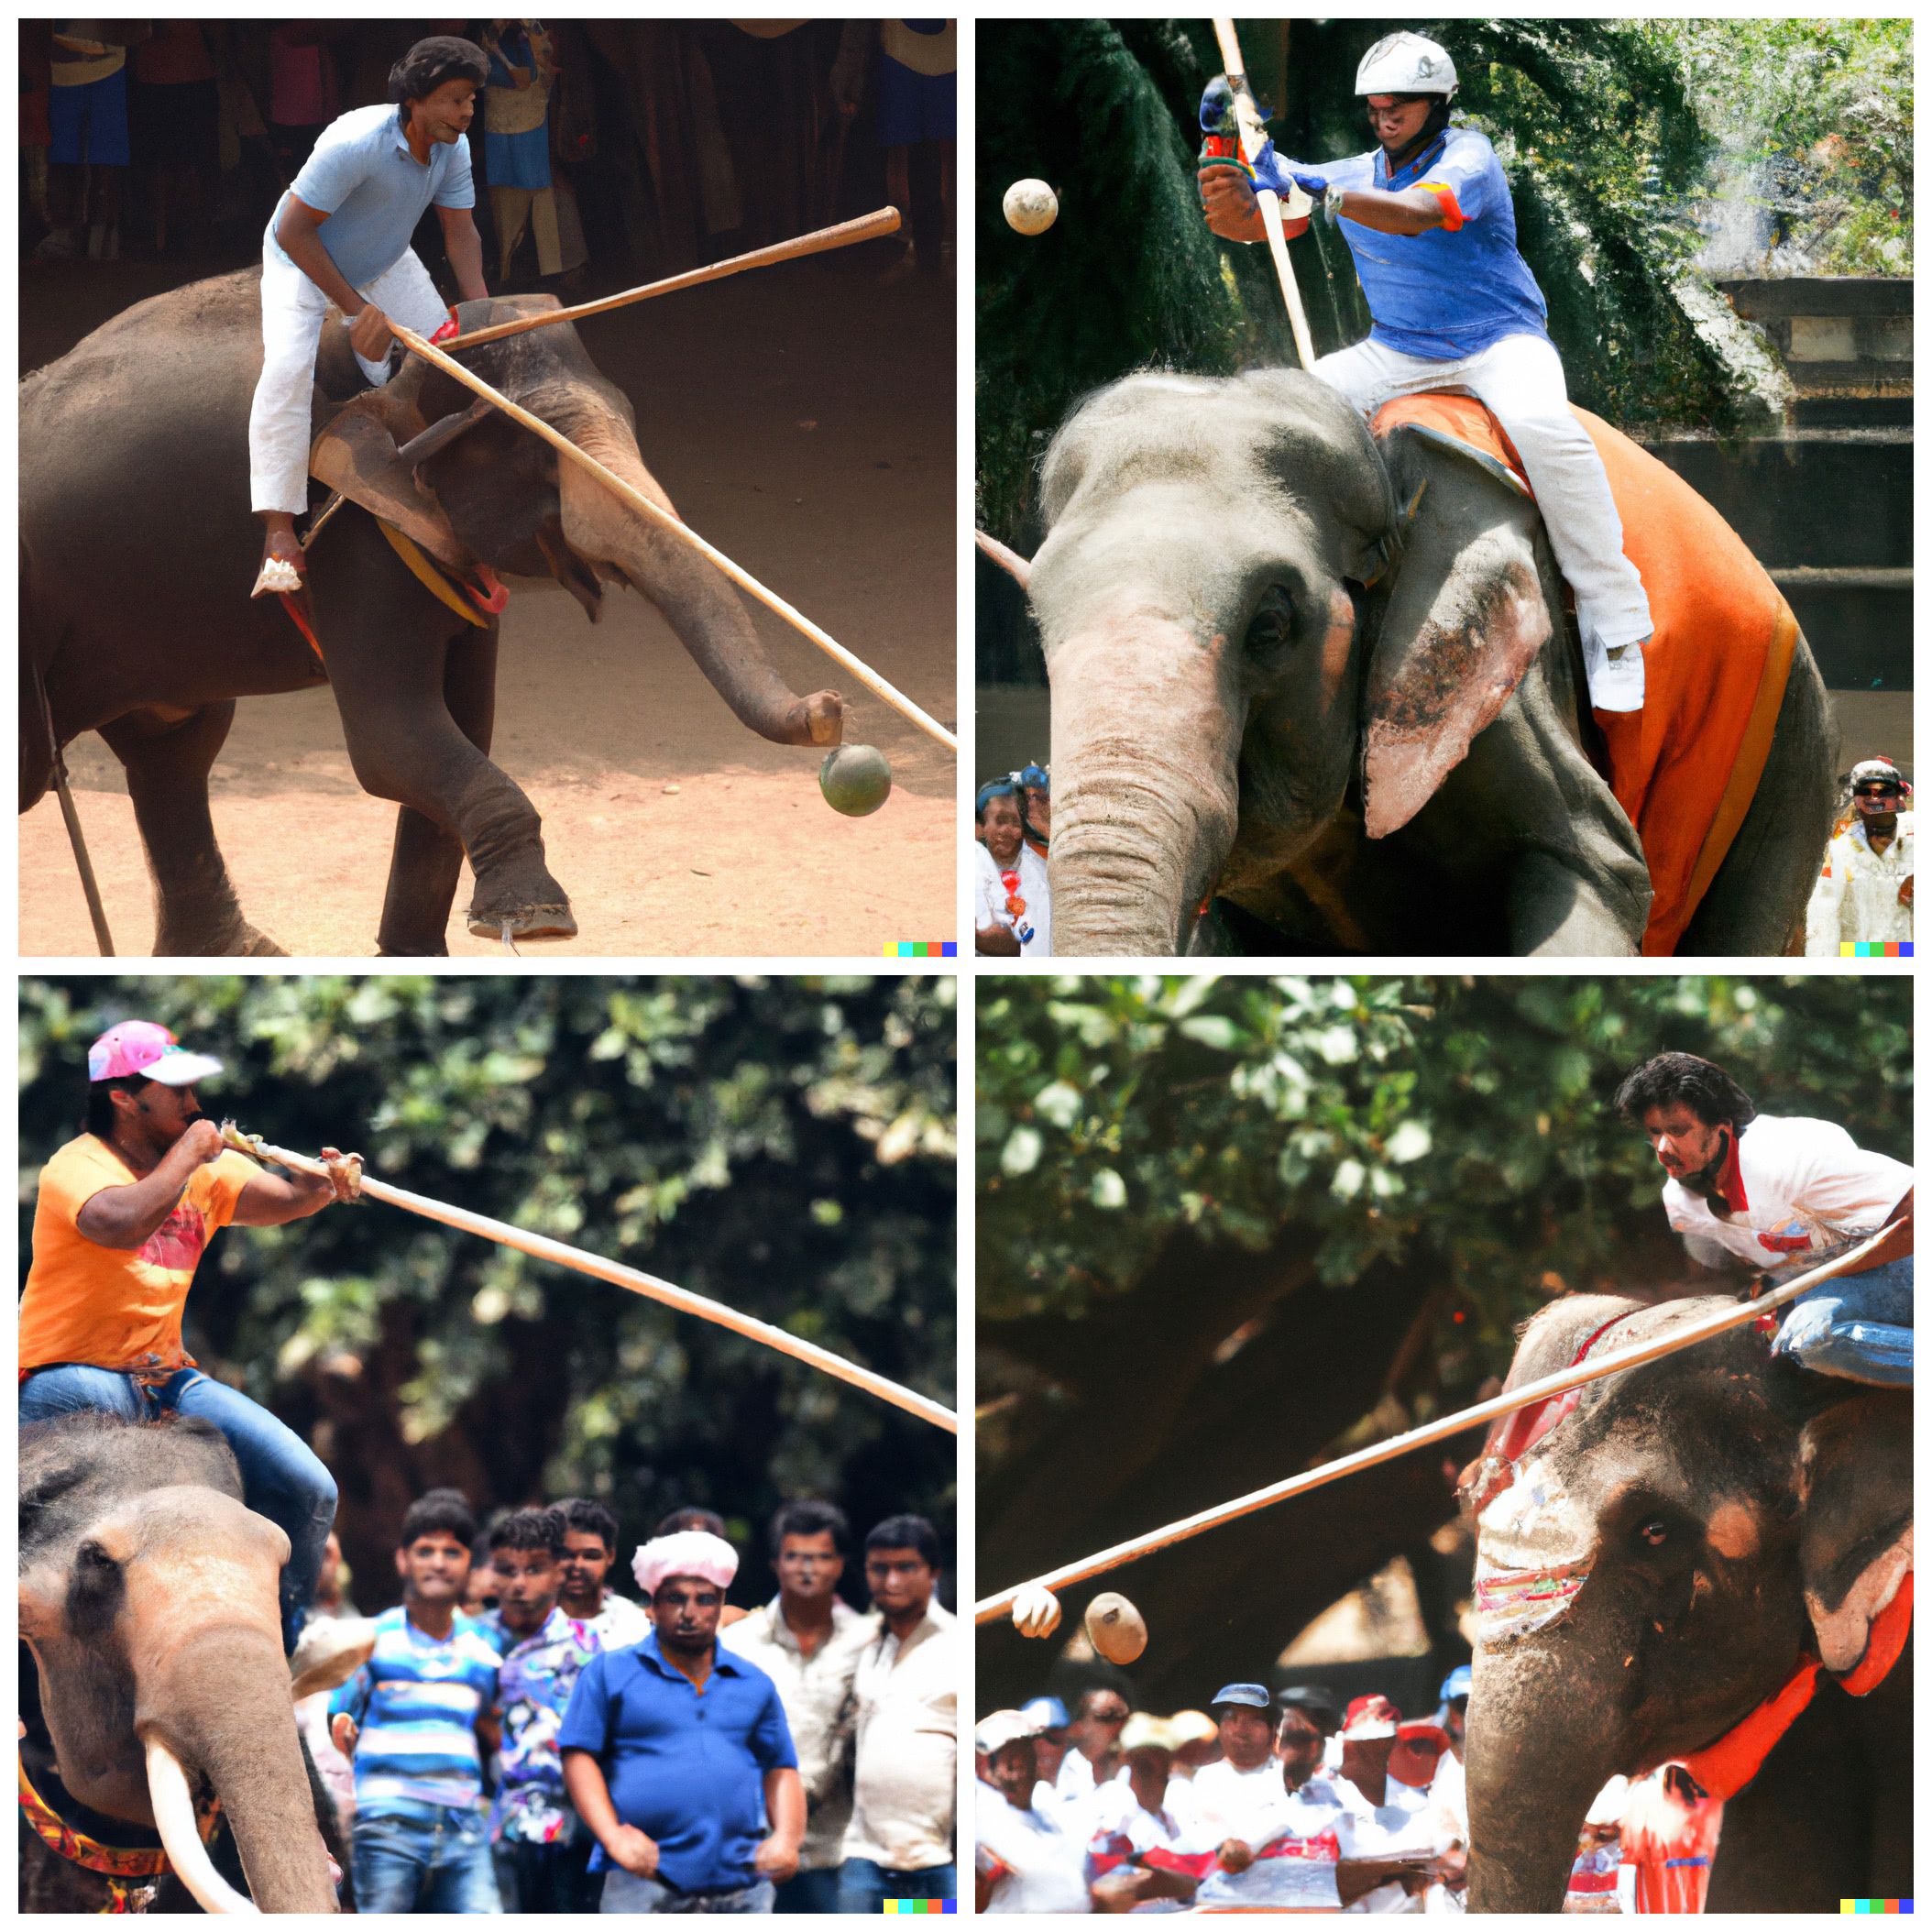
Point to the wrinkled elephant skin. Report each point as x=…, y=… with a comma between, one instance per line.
x=135, y=456
x=1360, y=730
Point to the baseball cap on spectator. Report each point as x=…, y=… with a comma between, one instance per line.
x=1371, y=1717
x=1314, y=1704
x=147, y=1049
x=1457, y=1684
x=1419, y=1747
x=1192, y=1727
x=1255, y=1695
x=1002, y=1728
x=1143, y=1732
x=1048, y=1713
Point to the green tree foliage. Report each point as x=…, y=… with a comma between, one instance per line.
x=1607, y=129
x=1230, y=1226
x=785, y=1146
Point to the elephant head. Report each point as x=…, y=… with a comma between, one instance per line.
x=149, y=1597
x=473, y=486
x=1663, y=1562
x=1222, y=669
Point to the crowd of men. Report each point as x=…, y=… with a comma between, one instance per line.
x=1013, y=911
x=524, y=1737
x=1285, y=1801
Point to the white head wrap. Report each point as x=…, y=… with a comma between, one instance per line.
x=686, y=1552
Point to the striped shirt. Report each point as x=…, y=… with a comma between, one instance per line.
x=415, y=1704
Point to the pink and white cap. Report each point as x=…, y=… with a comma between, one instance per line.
x=147, y=1048
x=685, y=1553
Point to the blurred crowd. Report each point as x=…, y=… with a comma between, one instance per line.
x=670, y=142
x=1013, y=911
x=528, y=1737
x=1283, y=1800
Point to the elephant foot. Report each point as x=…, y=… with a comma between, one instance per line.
x=816, y=719
x=523, y=922
x=239, y=941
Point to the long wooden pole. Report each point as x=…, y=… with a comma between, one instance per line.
x=1247, y=117
x=650, y=1287
x=1890, y=1244
x=664, y=519
x=865, y=227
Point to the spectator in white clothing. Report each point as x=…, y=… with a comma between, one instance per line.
x=1865, y=892
x=1024, y=1859
x=1098, y=1720
x=589, y=1550
x=1011, y=910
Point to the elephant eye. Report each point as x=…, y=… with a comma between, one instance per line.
x=94, y=1557
x=1654, y=1533
x=1272, y=629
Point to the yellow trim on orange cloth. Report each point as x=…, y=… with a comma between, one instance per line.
x=1684, y=768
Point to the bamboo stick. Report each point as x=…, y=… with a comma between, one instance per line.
x=866, y=227
x=664, y=519
x=651, y=1286
x=1890, y=1244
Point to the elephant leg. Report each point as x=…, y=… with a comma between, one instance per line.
x=428, y=857
x=1756, y=902
x=388, y=644
x=167, y=756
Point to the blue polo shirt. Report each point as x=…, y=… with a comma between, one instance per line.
x=683, y=1768
x=362, y=174
x=1452, y=292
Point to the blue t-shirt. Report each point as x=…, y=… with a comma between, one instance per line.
x=1448, y=293
x=687, y=1770
x=362, y=174
x=415, y=1704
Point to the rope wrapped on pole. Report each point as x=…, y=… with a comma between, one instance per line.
x=665, y=521
x=1890, y=1244
x=865, y=227
x=651, y=1286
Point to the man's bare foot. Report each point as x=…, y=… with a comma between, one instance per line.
x=283, y=564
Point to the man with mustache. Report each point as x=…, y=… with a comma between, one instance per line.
x=1781, y=1194
x=1865, y=892
x=124, y=1213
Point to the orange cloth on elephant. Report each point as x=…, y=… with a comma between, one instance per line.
x=116, y=1307
x=1685, y=767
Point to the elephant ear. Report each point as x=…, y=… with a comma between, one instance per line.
x=1465, y=615
x=1855, y=1550
x=356, y=454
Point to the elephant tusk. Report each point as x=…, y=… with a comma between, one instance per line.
x=1010, y=561
x=174, y=1819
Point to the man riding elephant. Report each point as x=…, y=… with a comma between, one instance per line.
x=1779, y=1192
x=1429, y=219
x=341, y=235
x=124, y=1213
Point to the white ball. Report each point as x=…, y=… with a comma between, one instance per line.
x=1031, y=207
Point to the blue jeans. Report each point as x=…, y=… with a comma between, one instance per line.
x=434, y=1860
x=864, y=1886
x=809, y=1892
x=1858, y=1326
x=546, y=1878
x=625, y=1892
x=281, y=1476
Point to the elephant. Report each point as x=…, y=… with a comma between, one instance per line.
x=1314, y=692
x=148, y=1602
x=137, y=549
x=1667, y=1564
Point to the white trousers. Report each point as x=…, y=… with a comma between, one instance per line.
x=292, y=309
x=1520, y=380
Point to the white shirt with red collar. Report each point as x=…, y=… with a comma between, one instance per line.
x=1795, y=1187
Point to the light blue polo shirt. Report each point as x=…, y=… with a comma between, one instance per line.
x=1446, y=293
x=363, y=177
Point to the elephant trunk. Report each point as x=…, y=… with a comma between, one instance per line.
x=1146, y=757
x=696, y=600
x=1536, y=1760
x=222, y=1710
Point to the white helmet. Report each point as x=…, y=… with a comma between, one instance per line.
x=1406, y=63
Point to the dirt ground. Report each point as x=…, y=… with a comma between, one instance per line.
x=803, y=420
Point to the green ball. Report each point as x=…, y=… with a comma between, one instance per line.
x=855, y=779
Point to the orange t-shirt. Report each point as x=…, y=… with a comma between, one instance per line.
x=116, y=1307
